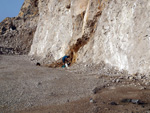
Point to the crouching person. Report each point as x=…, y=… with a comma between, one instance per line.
x=65, y=61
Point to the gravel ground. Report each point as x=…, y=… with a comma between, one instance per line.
x=24, y=85
x=26, y=88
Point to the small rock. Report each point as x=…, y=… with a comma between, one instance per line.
x=125, y=100
x=118, y=80
x=106, y=27
x=52, y=94
x=113, y=81
x=106, y=109
x=139, y=77
x=91, y=100
x=121, y=77
x=134, y=101
x=95, y=90
x=147, y=83
x=131, y=78
x=39, y=83
x=113, y=103
x=32, y=59
x=108, y=85
x=143, y=76
x=147, y=111
x=144, y=81
x=127, y=77
x=68, y=6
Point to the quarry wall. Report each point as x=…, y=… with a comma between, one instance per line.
x=115, y=32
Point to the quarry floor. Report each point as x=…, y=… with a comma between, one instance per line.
x=26, y=88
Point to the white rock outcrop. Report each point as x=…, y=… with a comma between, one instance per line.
x=116, y=31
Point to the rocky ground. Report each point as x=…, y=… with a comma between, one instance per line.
x=26, y=88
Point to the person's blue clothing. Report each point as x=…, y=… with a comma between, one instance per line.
x=64, y=58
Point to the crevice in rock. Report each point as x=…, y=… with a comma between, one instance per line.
x=80, y=42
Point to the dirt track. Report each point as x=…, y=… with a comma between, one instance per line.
x=25, y=88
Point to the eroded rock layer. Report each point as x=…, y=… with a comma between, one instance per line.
x=16, y=34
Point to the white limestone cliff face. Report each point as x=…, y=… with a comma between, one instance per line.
x=54, y=29
x=116, y=31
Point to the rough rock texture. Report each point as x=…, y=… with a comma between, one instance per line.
x=115, y=32
x=122, y=36
x=54, y=29
x=16, y=34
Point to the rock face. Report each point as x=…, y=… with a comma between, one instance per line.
x=54, y=30
x=115, y=32
x=16, y=34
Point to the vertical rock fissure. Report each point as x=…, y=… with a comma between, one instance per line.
x=86, y=36
x=81, y=42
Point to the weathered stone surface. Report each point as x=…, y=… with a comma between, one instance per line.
x=16, y=34
x=114, y=32
x=54, y=30
x=29, y=9
x=122, y=36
